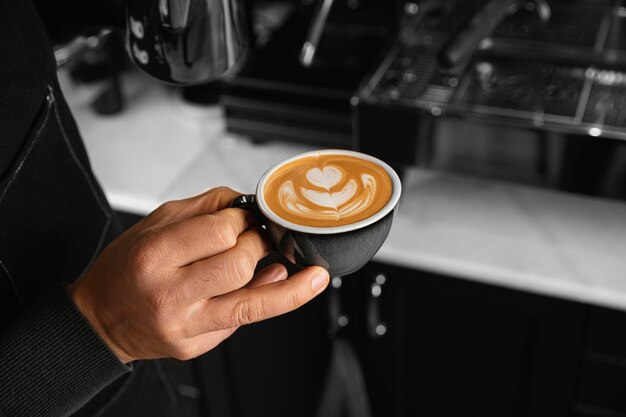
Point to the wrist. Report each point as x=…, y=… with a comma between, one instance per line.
x=86, y=309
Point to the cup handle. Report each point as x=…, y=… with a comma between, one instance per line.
x=280, y=242
x=245, y=201
x=283, y=242
x=248, y=202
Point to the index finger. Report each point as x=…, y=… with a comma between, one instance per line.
x=206, y=203
x=211, y=200
x=249, y=305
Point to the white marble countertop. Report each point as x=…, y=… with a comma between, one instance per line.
x=540, y=241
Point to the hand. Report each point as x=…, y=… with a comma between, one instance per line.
x=181, y=280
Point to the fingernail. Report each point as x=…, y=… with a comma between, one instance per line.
x=319, y=280
x=279, y=274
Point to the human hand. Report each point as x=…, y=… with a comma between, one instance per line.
x=182, y=280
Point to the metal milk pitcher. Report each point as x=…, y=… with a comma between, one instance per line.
x=186, y=42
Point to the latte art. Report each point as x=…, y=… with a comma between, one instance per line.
x=327, y=190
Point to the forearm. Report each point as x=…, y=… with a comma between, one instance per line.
x=51, y=361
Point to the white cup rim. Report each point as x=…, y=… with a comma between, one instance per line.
x=320, y=230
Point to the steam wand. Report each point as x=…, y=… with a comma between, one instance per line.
x=315, y=32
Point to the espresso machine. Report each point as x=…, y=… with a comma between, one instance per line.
x=544, y=80
x=530, y=91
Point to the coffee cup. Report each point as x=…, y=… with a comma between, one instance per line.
x=332, y=208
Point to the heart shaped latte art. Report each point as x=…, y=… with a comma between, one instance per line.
x=328, y=190
x=327, y=177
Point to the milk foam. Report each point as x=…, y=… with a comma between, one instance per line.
x=328, y=190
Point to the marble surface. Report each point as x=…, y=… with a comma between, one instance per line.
x=518, y=237
x=540, y=241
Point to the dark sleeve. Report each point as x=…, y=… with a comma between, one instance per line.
x=51, y=361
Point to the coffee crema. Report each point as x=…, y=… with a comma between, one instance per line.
x=327, y=190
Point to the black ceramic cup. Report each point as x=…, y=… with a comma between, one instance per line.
x=342, y=250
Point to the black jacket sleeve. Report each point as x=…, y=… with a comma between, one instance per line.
x=51, y=361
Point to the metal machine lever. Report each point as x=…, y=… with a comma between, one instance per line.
x=415, y=12
x=315, y=32
x=465, y=41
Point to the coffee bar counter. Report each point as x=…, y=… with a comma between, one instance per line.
x=161, y=148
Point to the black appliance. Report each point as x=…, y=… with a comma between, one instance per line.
x=539, y=97
x=276, y=97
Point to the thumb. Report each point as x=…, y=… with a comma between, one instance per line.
x=249, y=305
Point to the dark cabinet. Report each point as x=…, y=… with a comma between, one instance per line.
x=459, y=348
x=602, y=380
